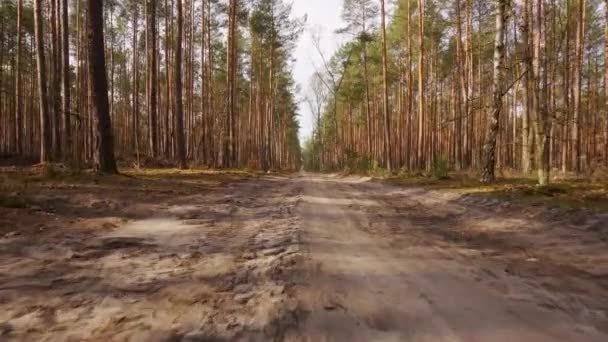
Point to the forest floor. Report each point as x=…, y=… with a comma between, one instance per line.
x=203, y=256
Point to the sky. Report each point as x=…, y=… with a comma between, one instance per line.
x=324, y=17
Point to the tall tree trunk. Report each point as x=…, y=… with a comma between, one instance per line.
x=167, y=139
x=177, y=78
x=18, y=133
x=210, y=87
x=55, y=87
x=366, y=80
x=421, y=95
x=527, y=138
x=231, y=83
x=151, y=76
x=45, y=124
x=135, y=99
x=489, y=163
x=578, y=70
x=103, y=153
x=541, y=120
x=65, y=81
x=387, y=129
x=606, y=84
x=410, y=91
x=5, y=132
x=461, y=98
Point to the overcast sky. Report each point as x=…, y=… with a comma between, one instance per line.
x=324, y=16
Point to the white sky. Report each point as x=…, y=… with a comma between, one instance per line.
x=324, y=16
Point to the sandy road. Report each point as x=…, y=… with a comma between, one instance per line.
x=294, y=258
x=159, y=260
x=382, y=267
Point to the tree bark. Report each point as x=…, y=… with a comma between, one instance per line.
x=65, y=81
x=578, y=69
x=45, y=125
x=421, y=102
x=135, y=99
x=387, y=129
x=527, y=139
x=18, y=133
x=541, y=120
x=151, y=76
x=606, y=85
x=231, y=84
x=103, y=153
x=489, y=163
x=55, y=86
x=177, y=78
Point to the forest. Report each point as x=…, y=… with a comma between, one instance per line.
x=188, y=82
x=170, y=170
x=465, y=85
x=516, y=86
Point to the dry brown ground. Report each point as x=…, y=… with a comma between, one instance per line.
x=150, y=257
x=200, y=256
x=388, y=263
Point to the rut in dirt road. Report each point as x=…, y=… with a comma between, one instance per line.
x=390, y=265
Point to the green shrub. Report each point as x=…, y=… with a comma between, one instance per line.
x=440, y=168
x=378, y=171
x=356, y=163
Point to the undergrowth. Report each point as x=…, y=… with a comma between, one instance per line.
x=566, y=193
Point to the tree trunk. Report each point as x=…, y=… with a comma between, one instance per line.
x=578, y=69
x=387, y=130
x=135, y=99
x=527, y=138
x=541, y=120
x=55, y=86
x=65, y=81
x=421, y=106
x=18, y=134
x=151, y=76
x=489, y=163
x=231, y=84
x=606, y=85
x=103, y=153
x=177, y=78
x=45, y=124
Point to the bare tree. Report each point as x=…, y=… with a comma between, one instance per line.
x=334, y=80
x=316, y=100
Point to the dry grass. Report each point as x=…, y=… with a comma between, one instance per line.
x=16, y=180
x=566, y=193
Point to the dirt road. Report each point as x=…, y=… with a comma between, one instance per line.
x=300, y=258
x=176, y=258
x=390, y=264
